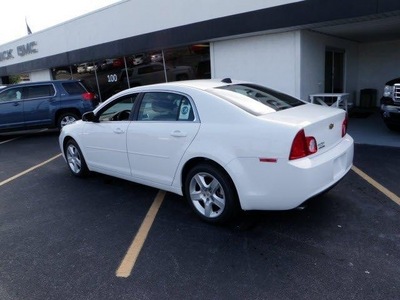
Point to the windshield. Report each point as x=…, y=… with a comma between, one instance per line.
x=271, y=100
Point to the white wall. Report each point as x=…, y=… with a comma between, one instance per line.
x=379, y=63
x=293, y=62
x=313, y=46
x=270, y=59
x=40, y=75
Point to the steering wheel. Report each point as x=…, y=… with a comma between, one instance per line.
x=123, y=115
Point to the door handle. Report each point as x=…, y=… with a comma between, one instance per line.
x=178, y=133
x=16, y=104
x=118, y=131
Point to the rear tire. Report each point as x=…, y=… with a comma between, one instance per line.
x=75, y=160
x=211, y=193
x=66, y=118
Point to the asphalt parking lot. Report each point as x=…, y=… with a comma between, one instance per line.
x=102, y=238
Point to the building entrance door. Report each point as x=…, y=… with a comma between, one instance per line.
x=334, y=71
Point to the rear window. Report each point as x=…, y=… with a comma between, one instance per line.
x=256, y=99
x=74, y=88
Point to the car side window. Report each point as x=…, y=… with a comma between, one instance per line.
x=74, y=88
x=38, y=91
x=120, y=109
x=13, y=94
x=163, y=106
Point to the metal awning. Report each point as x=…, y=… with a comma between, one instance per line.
x=374, y=28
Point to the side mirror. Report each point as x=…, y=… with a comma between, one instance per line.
x=89, y=117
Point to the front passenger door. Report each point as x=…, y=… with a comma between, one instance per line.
x=11, y=109
x=105, y=140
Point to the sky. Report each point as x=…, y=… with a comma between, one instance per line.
x=41, y=14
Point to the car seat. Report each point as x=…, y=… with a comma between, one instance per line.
x=165, y=108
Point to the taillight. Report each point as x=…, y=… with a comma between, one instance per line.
x=302, y=146
x=344, y=125
x=88, y=96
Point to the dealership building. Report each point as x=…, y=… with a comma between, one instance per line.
x=301, y=47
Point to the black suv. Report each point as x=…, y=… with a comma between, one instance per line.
x=45, y=104
x=390, y=104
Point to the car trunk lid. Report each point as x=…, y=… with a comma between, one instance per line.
x=325, y=124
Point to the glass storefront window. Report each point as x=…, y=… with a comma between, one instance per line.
x=109, y=76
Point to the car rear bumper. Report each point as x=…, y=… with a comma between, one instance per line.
x=287, y=184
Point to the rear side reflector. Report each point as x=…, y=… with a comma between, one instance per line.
x=269, y=160
x=302, y=146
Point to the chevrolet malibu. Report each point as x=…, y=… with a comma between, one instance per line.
x=225, y=145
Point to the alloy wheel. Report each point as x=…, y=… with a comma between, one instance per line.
x=67, y=119
x=74, y=159
x=207, y=195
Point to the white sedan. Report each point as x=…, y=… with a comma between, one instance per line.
x=225, y=145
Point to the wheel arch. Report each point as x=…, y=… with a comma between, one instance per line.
x=198, y=160
x=65, y=141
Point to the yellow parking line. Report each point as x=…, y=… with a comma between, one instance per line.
x=29, y=170
x=392, y=196
x=132, y=254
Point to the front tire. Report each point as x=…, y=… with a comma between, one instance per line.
x=75, y=160
x=211, y=193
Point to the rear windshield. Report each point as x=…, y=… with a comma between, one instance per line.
x=74, y=88
x=267, y=100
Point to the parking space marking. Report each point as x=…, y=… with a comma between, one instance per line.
x=10, y=140
x=392, y=196
x=19, y=132
x=29, y=170
x=127, y=264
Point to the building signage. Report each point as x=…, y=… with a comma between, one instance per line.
x=21, y=50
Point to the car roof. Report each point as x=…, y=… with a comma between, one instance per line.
x=41, y=82
x=201, y=84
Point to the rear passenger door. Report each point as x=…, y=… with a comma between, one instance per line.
x=156, y=142
x=38, y=100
